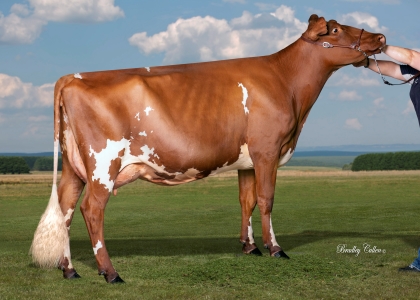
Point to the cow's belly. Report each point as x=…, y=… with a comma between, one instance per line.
x=134, y=167
x=148, y=166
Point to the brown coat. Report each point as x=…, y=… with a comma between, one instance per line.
x=176, y=124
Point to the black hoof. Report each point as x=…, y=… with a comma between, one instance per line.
x=117, y=280
x=75, y=276
x=71, y=274
x=256, y=252
x=281, y=254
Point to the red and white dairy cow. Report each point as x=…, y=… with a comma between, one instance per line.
x=175, y=124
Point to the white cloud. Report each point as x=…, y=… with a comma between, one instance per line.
x=17, y=94
x=377, y=1
x=346, y=95
x=208, y=38
x=409, y=108
x=20, y=10
x=24, y=24
x=311, y=10
x=265, y=6
x=31, y=130
x=342, y=79
x=40, y=118
x=378, y=105
x=362, y=19
x=353, y=124
x=19, y=30
x=235, y=1
x=378, y=102
x=84, y=11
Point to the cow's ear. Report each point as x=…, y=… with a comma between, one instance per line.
x=317, y=27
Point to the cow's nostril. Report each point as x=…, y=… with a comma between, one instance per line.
x=382, y=38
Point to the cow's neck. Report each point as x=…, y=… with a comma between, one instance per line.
x=307, y=63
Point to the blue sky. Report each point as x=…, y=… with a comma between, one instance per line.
x=40, y=41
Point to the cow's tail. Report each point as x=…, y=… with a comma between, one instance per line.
x=51, y=236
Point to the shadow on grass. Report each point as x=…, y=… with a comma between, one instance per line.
x=82, y=250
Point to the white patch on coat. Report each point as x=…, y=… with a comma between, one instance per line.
x=250, y=232
x=148, y=110
x=146, y=158
x=244, y=97
x=66, y=119
x=244, y=162
x=143, y=133
x=68, y=215
x=128, y=158
x=137, y=116
x=286, y=157
x=68, y=256
x=273, y=237
x=146, y=152
x=104, y=159
x=77, y=75
x=97, y=247
x=147, y=68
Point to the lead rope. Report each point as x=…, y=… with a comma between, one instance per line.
x=386, y=81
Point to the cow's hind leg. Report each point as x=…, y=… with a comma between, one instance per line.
x=93, y=208
x=248, y=200
x=69, y=190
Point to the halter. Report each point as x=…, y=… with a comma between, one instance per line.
x=387, y=82
x=355, y=45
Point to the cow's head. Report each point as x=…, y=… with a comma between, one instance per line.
x=343, y=44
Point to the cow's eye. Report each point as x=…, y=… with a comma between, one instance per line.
x=335, y=30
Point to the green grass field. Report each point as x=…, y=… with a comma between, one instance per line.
x=182, y=242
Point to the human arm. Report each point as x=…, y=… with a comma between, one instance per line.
x=388, y=68
x=406, y=56
x=392, y=69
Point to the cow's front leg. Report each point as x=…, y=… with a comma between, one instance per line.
x=266, y=173
x=248, y=200
x=93, y=207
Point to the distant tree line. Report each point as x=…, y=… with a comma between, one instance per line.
x=25, y=164
x=387, y=161
x=13, y=165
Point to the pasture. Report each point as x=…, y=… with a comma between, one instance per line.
x=182, y=242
